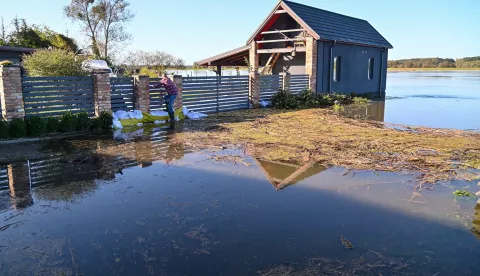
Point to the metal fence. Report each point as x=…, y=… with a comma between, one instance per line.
x=53, y=96
x=156, y=99
x=3, y=178
x=298, y=83
x=122, y=93
x=269, y=86
x=215, y=94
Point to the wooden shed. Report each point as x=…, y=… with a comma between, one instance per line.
x=339, y=53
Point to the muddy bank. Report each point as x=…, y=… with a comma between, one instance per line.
x=320, y=135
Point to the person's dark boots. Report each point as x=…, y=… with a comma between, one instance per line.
x=172, y=117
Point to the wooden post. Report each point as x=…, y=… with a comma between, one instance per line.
x=285, y=81
x=219, y=70
x=254, y=89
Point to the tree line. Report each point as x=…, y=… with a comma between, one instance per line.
x=468, y=62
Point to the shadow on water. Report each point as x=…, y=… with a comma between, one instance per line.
x=146, y=206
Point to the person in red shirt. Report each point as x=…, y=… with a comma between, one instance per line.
x=172, y=92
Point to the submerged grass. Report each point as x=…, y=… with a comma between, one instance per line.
x=322, y=136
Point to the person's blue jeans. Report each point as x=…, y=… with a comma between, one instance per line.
x=170, y=100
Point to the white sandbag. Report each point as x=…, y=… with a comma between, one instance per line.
x=159, y=113
x=195, y=115
x=136, y=114
x=117, y=124
x=264, y=103
x=185, y=111
x=122, y=115
x=159, y=122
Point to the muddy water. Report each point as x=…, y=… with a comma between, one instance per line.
x=440, y=99
x=144, y=206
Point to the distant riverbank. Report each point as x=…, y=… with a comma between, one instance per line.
x=432, y=69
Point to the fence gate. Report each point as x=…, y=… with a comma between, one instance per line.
x=269, y=86
x=298, y=83
x=53, y=96
x=156, y=99
x=122, y=94
x=215, y=94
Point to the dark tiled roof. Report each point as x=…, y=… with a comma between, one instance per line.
x=16, y=49
x=334, y=26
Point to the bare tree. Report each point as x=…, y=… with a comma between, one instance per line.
x=103, y=22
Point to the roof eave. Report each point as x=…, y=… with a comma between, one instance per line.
x=291, y=13
x=210, y=60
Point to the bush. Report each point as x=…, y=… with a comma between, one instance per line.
x=82, y=121
x=3, y=129
x=17, y=128
x=55, y=62
x=107, y=120
x=67, y=122
x=53, y=124
x=97, y=125
x=308, y=99
x=6, y=63
x=36, y=126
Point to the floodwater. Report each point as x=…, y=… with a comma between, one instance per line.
x=146, y=206
x=441, y=99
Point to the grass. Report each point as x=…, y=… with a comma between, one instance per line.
x=433, y=69
x=322, y=136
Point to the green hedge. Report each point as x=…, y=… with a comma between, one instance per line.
x=37, y=126
x=307, y=99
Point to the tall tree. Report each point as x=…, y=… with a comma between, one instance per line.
x=103, y=22
x=3, y=34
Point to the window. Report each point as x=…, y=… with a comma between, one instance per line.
x=370, y=68
x=336, y=68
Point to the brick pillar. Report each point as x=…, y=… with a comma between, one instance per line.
x=311, y=62
x=19, y=184
x=253, y=57
x=177, y=79
x=11, y=92
x=142, y=93
x=102, y=93
x=285, y=81
x=254, y=89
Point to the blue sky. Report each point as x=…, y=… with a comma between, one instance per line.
x=195, y=29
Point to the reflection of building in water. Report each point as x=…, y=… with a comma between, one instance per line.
x=373, y=111
x=282, y=174
x=73, y=170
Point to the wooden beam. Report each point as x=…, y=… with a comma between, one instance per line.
x=294, y=175
x=281, y=40
x=280, y=11
x=283, y=31
x=281, y=50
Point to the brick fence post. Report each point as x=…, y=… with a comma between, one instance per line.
x=102, y=93
x=311, y=62
x=285, y=81
x=142, y=93
x=11, y=93
x=254, y=89
x=178, y=80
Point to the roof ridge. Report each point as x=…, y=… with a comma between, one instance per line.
x=312, y=7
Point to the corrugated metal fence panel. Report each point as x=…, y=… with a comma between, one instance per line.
x=3, y=178
x=53, y=96
x=122, y=94
x=156, y=98
x=298, y=83
x=215, y=94
x=269, y=86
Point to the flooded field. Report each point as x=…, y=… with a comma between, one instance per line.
x=141, y=204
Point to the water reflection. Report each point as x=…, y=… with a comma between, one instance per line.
x=73, y=166
x=372, y=111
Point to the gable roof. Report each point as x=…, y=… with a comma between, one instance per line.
x=334, y=26
x=326, y=25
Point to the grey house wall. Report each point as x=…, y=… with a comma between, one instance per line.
x=14, y=57
x=353, y=68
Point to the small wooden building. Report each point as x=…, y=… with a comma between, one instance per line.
x=14, y=54
x=339, y=53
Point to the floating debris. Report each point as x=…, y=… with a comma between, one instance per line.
x=346, y=243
